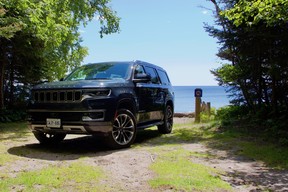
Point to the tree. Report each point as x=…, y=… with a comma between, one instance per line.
x=272, y=12
x=40, y=39
x=254, y=40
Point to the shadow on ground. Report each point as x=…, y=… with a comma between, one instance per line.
x=74, y=148
x=69, y=149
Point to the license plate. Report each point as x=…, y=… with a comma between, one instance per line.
x=54, y=123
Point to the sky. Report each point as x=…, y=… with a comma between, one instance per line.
x=167, y=33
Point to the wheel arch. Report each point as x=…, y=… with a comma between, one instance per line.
x=170, y=102
x=128, y=104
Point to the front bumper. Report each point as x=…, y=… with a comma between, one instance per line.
x=72, y=122
x=74, y=128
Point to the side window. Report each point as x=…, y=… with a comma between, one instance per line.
x=153, y=74
x=163, y=77
x=139, y=70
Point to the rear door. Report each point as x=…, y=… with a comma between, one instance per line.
x=157, y=95
x=148, y=94
x=144, y=93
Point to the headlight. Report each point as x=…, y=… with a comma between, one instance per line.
x=95, y=93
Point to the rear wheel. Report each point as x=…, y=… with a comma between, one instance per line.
x=167, y=126
x=48, y=138
x=124, y=130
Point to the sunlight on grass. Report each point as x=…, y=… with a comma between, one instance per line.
x=271, y=155
x=10, y=132
x=14, y=126
x=254, y=148
x=75, y=176
x=15, y=130
x=5, y=157
x=182, y=133
x=176, y=171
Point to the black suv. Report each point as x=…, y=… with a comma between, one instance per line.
x=112, y=99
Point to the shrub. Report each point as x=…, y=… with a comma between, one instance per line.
x=12, y=115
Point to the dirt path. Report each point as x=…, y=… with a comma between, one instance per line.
x=128, y=169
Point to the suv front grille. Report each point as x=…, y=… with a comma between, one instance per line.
x=56, y=96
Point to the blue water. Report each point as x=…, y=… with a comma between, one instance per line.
x=185, y=100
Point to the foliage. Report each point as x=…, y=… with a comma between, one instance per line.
x=270, y=129
x=272, y=12
x=232, y=112
x=254, y=42
x=12, y=115
x=40, y=40
x=206, y=116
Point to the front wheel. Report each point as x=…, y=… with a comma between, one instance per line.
x=48, y=138
x=166, y=127
x=124, y=130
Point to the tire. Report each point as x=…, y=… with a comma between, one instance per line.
x=48, y=138
x=167, y=126
x=124, y=130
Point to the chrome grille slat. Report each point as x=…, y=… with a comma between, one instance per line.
x=57, y=96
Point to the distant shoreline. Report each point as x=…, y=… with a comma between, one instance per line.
x=189, y=115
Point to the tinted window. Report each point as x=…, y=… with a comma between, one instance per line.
x=163, y=77
x=139, y=70
x=100, y=71
x=153, y=74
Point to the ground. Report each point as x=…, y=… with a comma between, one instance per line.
x=128, y=169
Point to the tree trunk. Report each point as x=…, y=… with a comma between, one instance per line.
x=11, y=85
x=2, y=73
x=3, y=61
x=274, y=97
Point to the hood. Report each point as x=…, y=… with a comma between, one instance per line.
x=80, y=84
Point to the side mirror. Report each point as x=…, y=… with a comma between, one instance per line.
x=142, y=78
x=62, y=79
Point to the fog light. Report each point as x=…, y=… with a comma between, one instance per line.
x=95, y=116
x=87, y=118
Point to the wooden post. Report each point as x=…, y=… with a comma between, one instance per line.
x=197, y=95
x=209, y=109
x=197, y=109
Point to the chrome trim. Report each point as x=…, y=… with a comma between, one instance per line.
x=93, y=120
x=69, y=128
x=33, y=127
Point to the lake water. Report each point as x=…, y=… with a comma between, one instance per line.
x=185, y=100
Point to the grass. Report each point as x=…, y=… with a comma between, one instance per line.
x=10, y=132
x=65, y=178
x=68, y=177
x=5, y=157
x=173, y=165
x=254, y=147
x=14, y=126
x=272, y=155
x=15, y=130
x=250, y=146
x=176, y=171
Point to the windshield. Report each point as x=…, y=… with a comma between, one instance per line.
x=100, y=71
